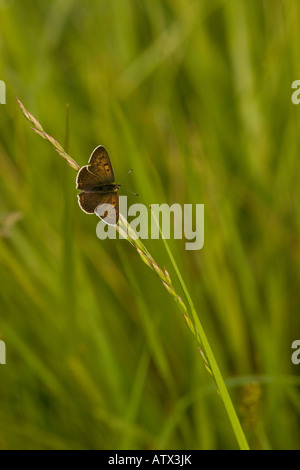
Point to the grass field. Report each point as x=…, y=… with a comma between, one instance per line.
x=195, y=96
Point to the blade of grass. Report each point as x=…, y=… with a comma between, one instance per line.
x=204, y=343
x=38, y=129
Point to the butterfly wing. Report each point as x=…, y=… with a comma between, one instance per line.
x=108, y=209
x=106, y=205
x=89, y=201
x=100, y=165
x=86, y=180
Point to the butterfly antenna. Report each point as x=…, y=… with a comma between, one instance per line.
x=135, y=194
x=128, y=173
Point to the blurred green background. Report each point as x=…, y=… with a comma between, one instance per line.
x=196, y=97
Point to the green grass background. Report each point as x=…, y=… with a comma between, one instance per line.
x=196, y=97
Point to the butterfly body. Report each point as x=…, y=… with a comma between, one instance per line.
x=104, y=188
x=98, y=188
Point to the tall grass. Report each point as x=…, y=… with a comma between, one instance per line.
x=195, y=96
x=190, y=315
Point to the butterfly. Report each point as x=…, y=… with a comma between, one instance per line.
x=98, y=188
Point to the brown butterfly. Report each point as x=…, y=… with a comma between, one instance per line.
x=98, y=188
